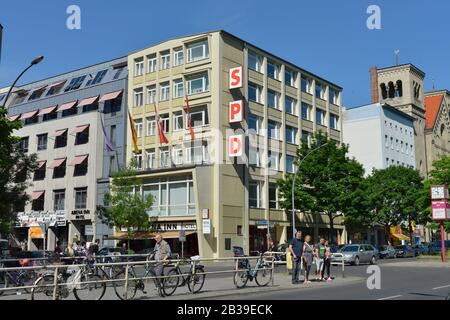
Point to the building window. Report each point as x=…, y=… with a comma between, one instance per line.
x=75, y=84
x=151, y=94
x=165, y=91
x=199, y=117
x=39, y=173
x=112, y=165
x=112, y=134
x=60, y=171
x=90, y=107
x=138, y=127
x=31, y=120
x=289, y=104
x=118, y=73
x=97, y=79
x=36, y=94
x=151, y=63
x=138, y=160
x=177, y=155
x=273, y=130
x=178, y=57
x=164, y=157
x=386, y=141
x=306, y=85
x=197, y=51
x=50, y=116
x=289, y=77
x=55, y=89
x=392, y=143
x=197, y=83
x=81, y=169
x=38, y=203
x=254, y=61
x=254, y=155
x=165, y=123
x=80, y=198
x=273, y=196
x=320, y=117
x=254, y=92
x=306, y=111
x=165, y=60
x=290, y=164
x=151, y=126
x=272, y=99
x=306, y=136
x=178, y=88
x=319, y=91
x=61, y=140
x=334, y=121
x=82, y=137
x=397, y=146
x=196, y=153
x=333, y=96
x=59, y=197
x=178, y=121
x=254, y=123
x=255, y=194
x=274, y=160
x=42, y=141
x=272, y=70
x=138, y=97
x=407, y=148
x=150, y=159
x=401, y=147
x=291, y=134
x=138, y=67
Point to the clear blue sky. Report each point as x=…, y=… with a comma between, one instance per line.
x=327, y=37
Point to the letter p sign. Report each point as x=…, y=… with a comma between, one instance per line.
x=235, y=145
x=236, y=111
x=236, y=78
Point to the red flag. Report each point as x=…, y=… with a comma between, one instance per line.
x=188, y=111
x=160, y=126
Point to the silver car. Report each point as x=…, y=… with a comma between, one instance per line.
x=387, y=252
x=355, y=254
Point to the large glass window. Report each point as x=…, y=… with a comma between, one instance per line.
x=199, y=117
x=97, y=79
x=151, y=126
x=138, y=127
x=291, y=134
x=306, y=111
x=273, y=160
x=75, y=83
x=272, y=70
x=334, y=121
x=254, y=123
x=273, y=196
x=42, y=141
x=289, y=105
x=151, y=63
x=23, y=144
x=178, y=121
x=254, y=61
x=178, y=88
x=272, y=99
x=289, y=77
x=138, y=97
x=320, y=116
x=151, y=94
x=178, y=57
x=165, y=91
x=306, y=85
x=290, y=164
x=150, y=158
x=80, y=198
x=255, y=194
x=319, y=91
x=254, y=92
x=197, y=83
x=138, y=67
x=273, y=130
x=165, y=60
x=197, y=51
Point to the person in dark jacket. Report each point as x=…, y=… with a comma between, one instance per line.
x=296, y=250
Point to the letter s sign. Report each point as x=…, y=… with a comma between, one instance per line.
x=236, y=78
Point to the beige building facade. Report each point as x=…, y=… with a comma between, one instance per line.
x=218, y=201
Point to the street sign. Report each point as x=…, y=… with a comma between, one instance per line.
x=182, y=236
x=440, y=210
x=439, y=192
x=262, y=222
x=206, y=226
x=89, y=230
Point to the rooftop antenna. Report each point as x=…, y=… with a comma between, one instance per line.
x=396, y=56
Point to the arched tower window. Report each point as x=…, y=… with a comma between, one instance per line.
x=399, y=89
x=383, y=91
x=442, y=130
x=391, y=90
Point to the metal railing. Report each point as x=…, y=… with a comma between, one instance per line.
x=126, y=266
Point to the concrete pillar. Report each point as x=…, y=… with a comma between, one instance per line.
x=51, y=239
x=344, y=236
x=74, y=232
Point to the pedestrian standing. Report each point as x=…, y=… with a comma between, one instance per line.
x=296, y=250
x=308, y=253
x=94, y=247
x=327, y=261
x=319, y=255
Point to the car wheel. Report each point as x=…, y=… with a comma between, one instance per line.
x=356, y=263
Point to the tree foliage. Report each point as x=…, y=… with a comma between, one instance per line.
x=326, y=180
x=16, y=168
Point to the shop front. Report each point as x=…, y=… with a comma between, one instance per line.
x=81, y=227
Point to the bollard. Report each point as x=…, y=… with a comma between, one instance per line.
x=126, y=282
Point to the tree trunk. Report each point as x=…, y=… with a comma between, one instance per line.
x=386, y=233
x=331, y=227
x=410, y=231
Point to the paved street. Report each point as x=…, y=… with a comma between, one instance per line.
x=400, y=279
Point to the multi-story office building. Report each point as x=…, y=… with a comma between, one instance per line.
x=220, y=201
x=63, y=119
x=379, y=136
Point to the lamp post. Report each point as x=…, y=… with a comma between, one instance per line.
x=34, y=62
x=293, y=185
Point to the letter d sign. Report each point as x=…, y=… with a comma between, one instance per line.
x=236, y=111
x=236, y=78
x=235, y=145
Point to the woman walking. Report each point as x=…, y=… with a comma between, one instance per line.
x=327, y=261
x=308, y=252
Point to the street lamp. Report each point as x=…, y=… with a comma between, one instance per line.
x=35, y=61
x=293, y=185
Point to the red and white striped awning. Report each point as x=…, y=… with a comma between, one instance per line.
x=58, y=133
x=36, y=195
x=57, y=162
x=29, y=114
x=80, y=128
x=47, y=110
x=14, y=118
x=111, y=96
x=41, y=163
x=88, y=101
x=67, y=105
x=78, y=160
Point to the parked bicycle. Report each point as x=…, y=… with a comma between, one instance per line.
x=86, y=283
x=176, y=278
x=17, y=278
x=262, y=273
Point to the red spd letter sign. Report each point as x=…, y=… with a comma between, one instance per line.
x=236, y=78
x=235, y=145
x=236, y=111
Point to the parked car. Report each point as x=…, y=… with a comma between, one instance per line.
x=436, y=247
x=108, y=252
x=404, y=251
x=421, y=249
x=146, y=252
x=355, y=254
x=386, y=252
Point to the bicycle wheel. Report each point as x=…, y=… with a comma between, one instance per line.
x=119, y=286
x=264, y=275
x=196, y=284
x=90, y=291
x=170, y=284
x=3, y=282
x=43, y=288
x=240, y=279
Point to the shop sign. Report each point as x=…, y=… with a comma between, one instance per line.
x=176, y=226
x=89, y=230
x=236, y=78
x=81, y=214
x=440, y=210
x=51, y=218
x=206, y=226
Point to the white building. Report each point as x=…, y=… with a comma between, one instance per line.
x=379, y=136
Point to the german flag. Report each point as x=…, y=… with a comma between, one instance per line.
x=133, y=134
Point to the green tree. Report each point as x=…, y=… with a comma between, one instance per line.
x=440, y=174
x=16, y=168
x=326, y=180
x=123, y=207
x=390, y=197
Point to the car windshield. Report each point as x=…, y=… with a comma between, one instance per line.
x=350, y=249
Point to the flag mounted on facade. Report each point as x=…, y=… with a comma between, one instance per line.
x=189, y=124
x=160, y=126
x=109, y=146
x=133, y=135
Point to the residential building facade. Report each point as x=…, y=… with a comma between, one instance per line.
x=219, y=201
x=66, y=120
